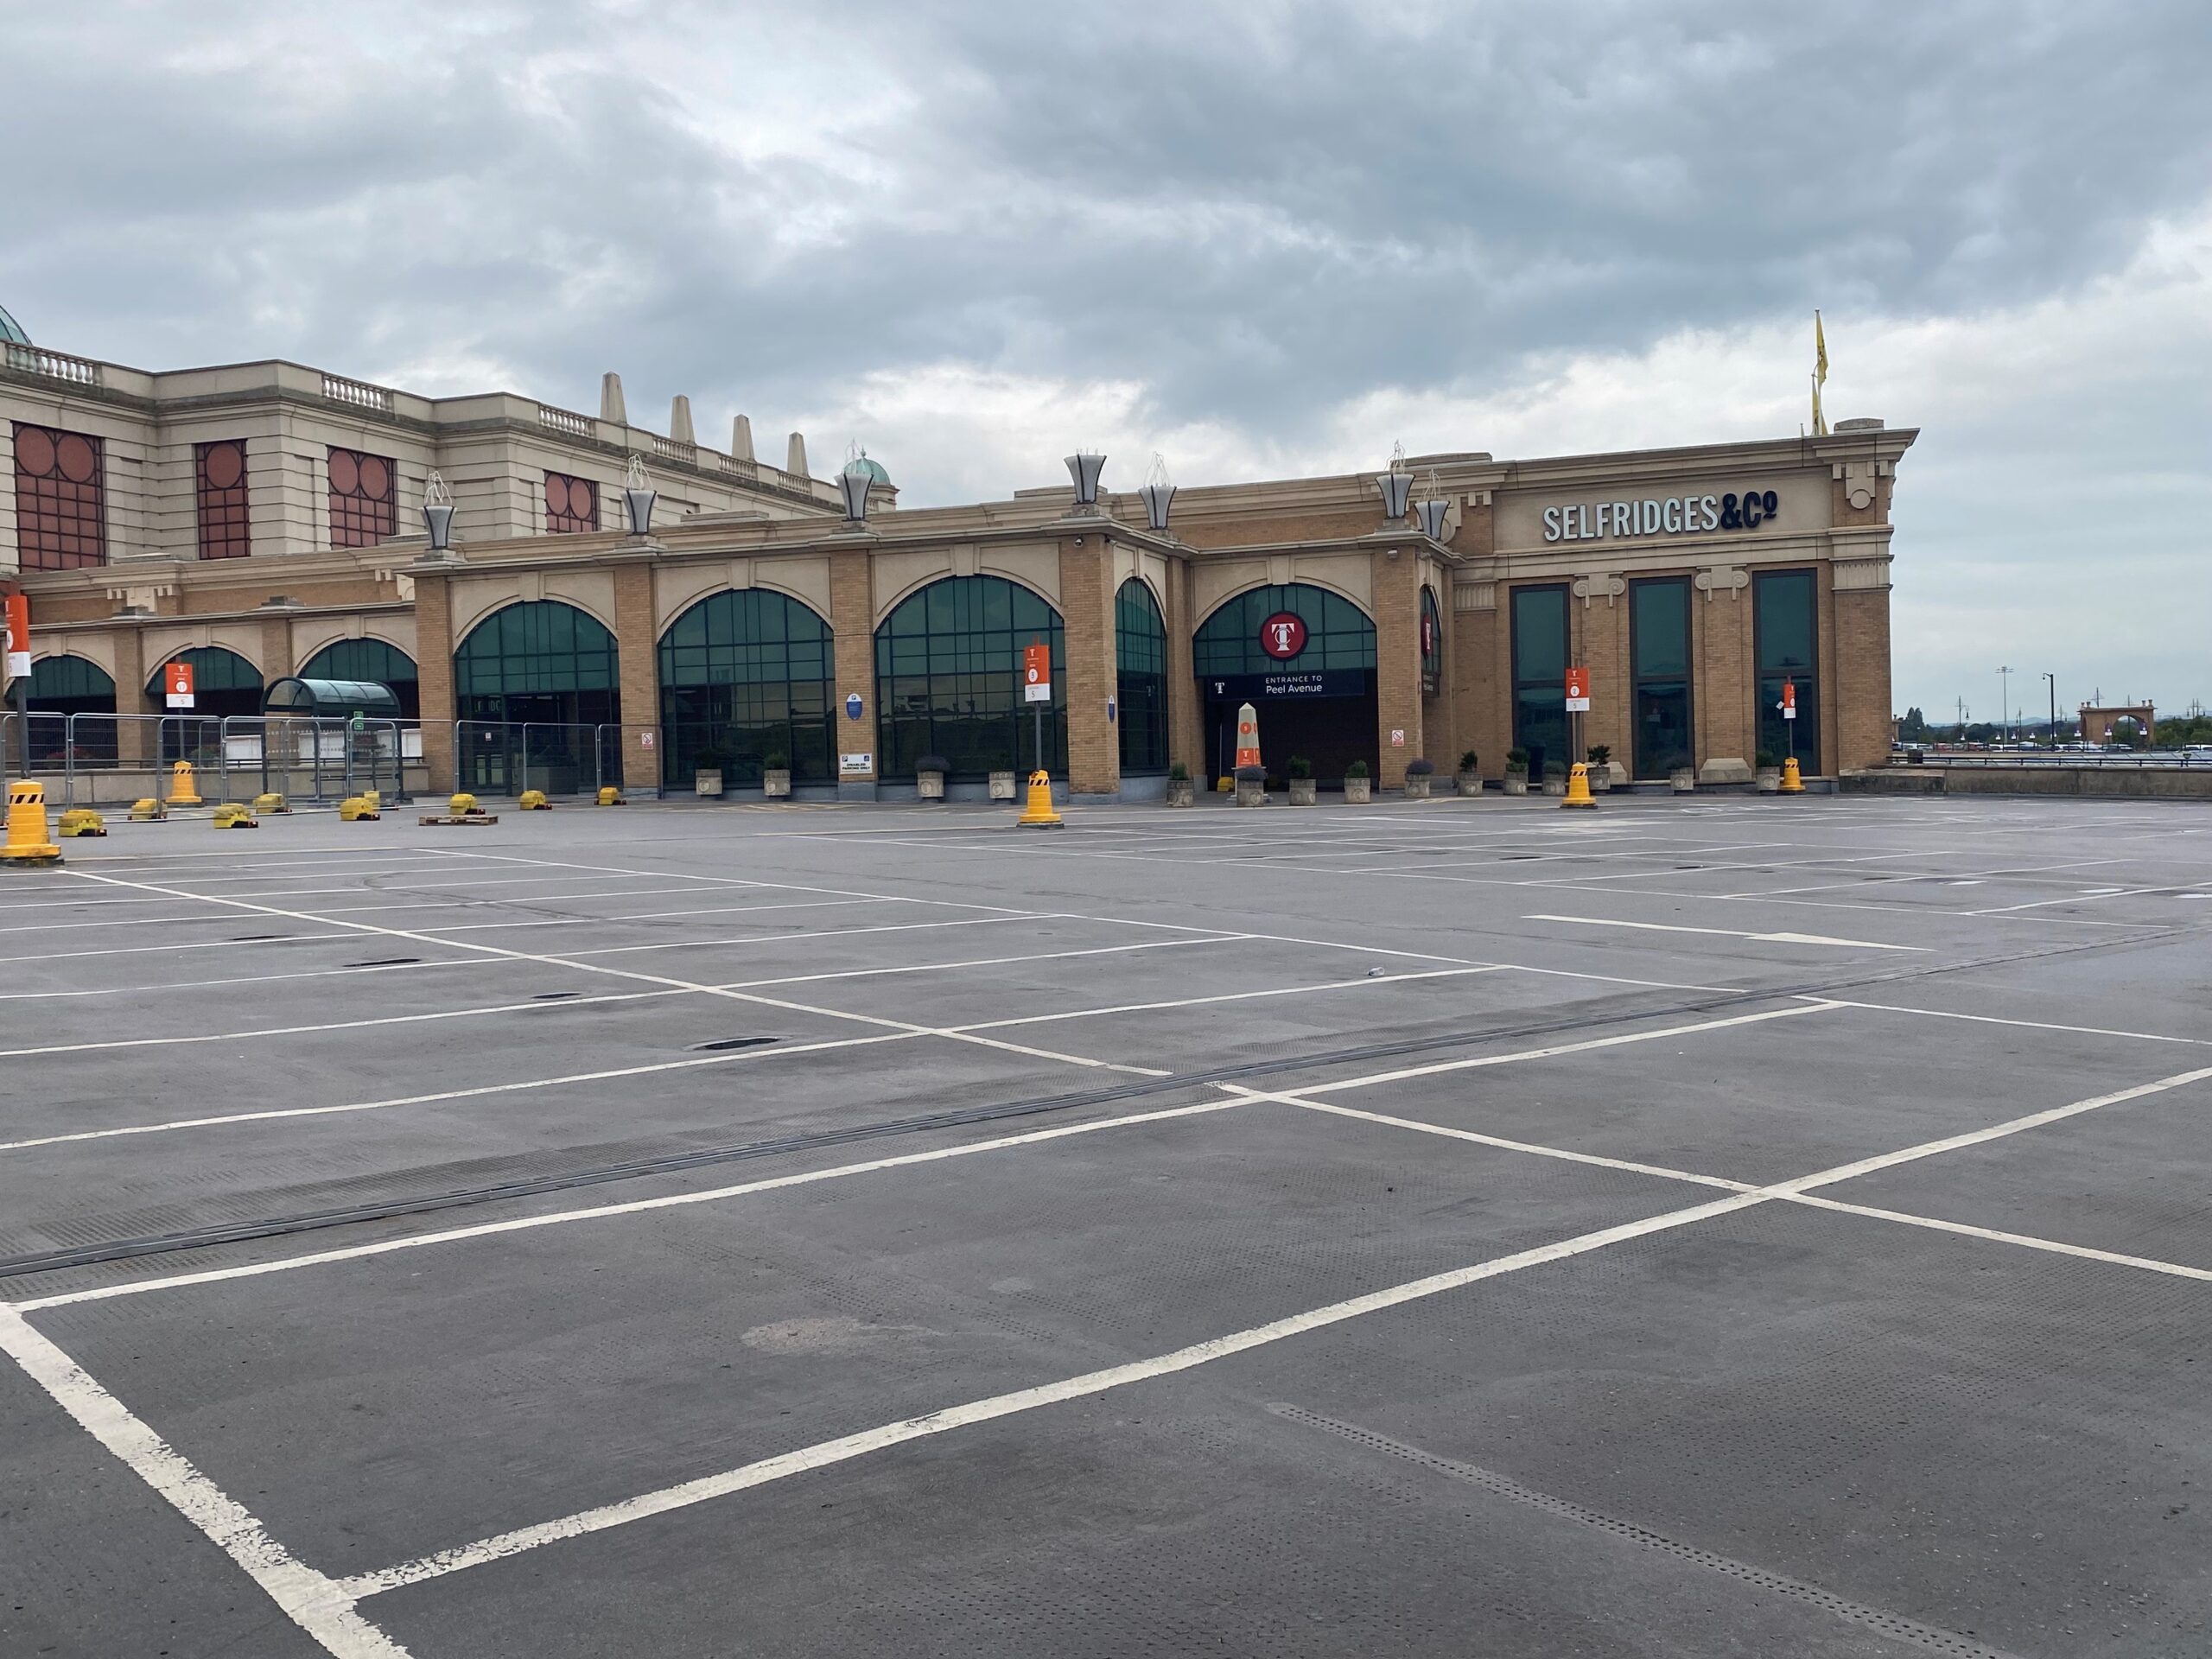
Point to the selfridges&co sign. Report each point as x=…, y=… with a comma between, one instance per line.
x=1674, y=515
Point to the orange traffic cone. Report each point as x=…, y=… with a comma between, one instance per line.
x=1791, y=782
x=1037, y=813
x=31, y=841
x=182, y=792
x=1578, y=787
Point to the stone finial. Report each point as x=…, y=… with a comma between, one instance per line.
x=795, y=456
x=611, y=406
x=679, y=419
x=740, y=438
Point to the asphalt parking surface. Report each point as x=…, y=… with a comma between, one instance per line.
x=1742, y=1226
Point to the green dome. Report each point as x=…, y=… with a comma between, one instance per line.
x=869, y=465
x=12, y=332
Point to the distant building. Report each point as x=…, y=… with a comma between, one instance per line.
x=265, y=519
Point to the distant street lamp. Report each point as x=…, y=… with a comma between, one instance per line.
x=2003, y=694
x=2053, y=679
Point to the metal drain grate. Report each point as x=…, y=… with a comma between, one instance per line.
x=1904, y=1629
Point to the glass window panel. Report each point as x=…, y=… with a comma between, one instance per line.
x=1659, y=621
x=947, y=678
x=1786, y=621
x=1338, y=634
x=1539, y=644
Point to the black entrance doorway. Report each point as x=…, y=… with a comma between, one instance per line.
x=1303, y=657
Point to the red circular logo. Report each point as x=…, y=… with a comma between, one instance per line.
x=1283, y=636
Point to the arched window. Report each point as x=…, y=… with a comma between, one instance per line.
x=223, y=686
x=745, y=676
x=1432, y=644
x=948, y=679
x=369, y=660
x=532, y=685
x=1140, y=678
x=1305, y=658
x=1338, y=634
x=62, y=687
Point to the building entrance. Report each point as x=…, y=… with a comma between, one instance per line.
x=1303, y=657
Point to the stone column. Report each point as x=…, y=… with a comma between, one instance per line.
x=434, y=672
x=1185, y=710
x=1723, y=693
x=635, y=639
x=1602, y=616
x=852, y=624
x=1087, y=620
x=1479, y=682
x=1397, y=661
x=138, y=743
x=276, y=650
x=1855, y=664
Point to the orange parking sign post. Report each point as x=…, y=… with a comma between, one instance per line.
x=19, y=670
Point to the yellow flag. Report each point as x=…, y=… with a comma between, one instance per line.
x=1820, y=375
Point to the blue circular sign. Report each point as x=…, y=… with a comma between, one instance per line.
x=852, y=705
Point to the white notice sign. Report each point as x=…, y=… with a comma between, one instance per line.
x=855, y=765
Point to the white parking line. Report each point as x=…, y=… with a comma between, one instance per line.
x=751, y=1056
x=2028, y=1025
x=604, y=1211
x=1726, y=933
x=308, y=1597
x=571, y=961
x=849, y=1447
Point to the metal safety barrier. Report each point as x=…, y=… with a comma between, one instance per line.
x=121, y=758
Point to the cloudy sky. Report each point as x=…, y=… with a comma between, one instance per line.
x=1261, y=238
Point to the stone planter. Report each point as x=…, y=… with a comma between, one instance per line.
x=1554, y=785
x=1301, y=791
x=777, y=785
x=1001, y=785
x=1468, y=785
x=930, y=786
x=1516, y=783
x=707, y=781
x=1355, y=789
x=1770, y=779
x=1600, y=777
x=1417, y=785
x=1181, y=791
x=1251, y=794
x=1684, y=780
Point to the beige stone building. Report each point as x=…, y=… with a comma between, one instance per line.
x=264, y=520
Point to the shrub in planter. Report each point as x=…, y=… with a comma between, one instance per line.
x=1555, y=777
x=1600, y=757
x=1181, y=791
x=775, y=775
x=929, y=776
x=1300, y=771
x=1358, y=785
x=1769, y=773
x=1251, y=785
x=707, y=771
x=1468, y=780
x=1517, y=772
x=1419, y=772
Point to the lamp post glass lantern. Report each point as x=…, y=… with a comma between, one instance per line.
x=438, y=514
x=638, y=495
x=1158, y=492
x=1084, y=467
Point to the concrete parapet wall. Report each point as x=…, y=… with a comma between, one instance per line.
x=2103, y=783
